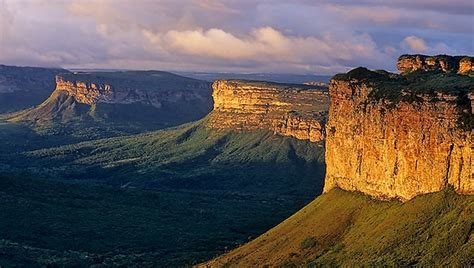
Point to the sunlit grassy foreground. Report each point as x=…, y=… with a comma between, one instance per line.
x=350, y=229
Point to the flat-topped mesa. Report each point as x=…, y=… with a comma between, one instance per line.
x=131, y=87
x=87, y=93
x=297, y=111
x=444, y=63
x=395, y=137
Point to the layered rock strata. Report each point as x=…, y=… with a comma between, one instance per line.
x=91, y=90
x=297, y=111
x=459, y=64
x=399, y=147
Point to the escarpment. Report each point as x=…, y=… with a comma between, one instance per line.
x=444, y=63
x=117, y=103
x=153, y=88
x=297, y=111
x=393, y=136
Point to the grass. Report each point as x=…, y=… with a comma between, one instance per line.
x=308, y=242
x=353, y=230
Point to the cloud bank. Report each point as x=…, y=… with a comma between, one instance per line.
x=299, y=36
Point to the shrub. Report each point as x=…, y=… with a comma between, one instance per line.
x=308, y=242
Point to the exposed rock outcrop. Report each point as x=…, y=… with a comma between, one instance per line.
x=411, y=63
x=104, y=104
x=466, y=65
x=291, y=110
x=393, y=138
x=112, y=88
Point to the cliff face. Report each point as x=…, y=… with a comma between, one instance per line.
x=89, y=91
x=84, y=93
x=104, y=104
x=291, y=110
x=399, y=147
x=466, y=65
x=459, y=64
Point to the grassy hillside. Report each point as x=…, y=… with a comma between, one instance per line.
x=349, y=229
x=191, y=157
x=62, y=115
x=44, y=222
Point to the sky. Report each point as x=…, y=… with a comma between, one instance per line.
x=277, y=36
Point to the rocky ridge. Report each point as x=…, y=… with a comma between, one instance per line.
x=129, y=87
x=104, y=104
x=297, y=111
x=445, y=63
x=395, y=137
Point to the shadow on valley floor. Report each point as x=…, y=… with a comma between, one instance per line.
x=44, y=222
x=172, y=197
x=190, y=157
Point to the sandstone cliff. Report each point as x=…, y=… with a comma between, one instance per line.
x=132, y=87
x=392, y=136
x=103, y=104
x=291, y=110
x=459, y=64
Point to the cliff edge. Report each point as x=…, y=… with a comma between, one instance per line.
x=444, y=63
x=298, y=111
x=397, y=136
x=104, y=104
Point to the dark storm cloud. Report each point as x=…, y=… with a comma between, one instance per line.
x=213, y=35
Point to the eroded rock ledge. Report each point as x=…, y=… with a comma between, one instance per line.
x=445, y=63
x=150, y=87
x=298, y=111
x=395, y=137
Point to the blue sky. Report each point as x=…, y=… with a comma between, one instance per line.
x=300, y=36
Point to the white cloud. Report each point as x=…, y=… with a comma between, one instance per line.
x=415, y=44
x=270, y=47
x=228, y=35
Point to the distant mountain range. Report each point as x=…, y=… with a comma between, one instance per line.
x=270, y=77
x=24, y=87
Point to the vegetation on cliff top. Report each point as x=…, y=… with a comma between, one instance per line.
x=411, y=86
x=273, y=85
x=349, y=229
x=140, y=80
